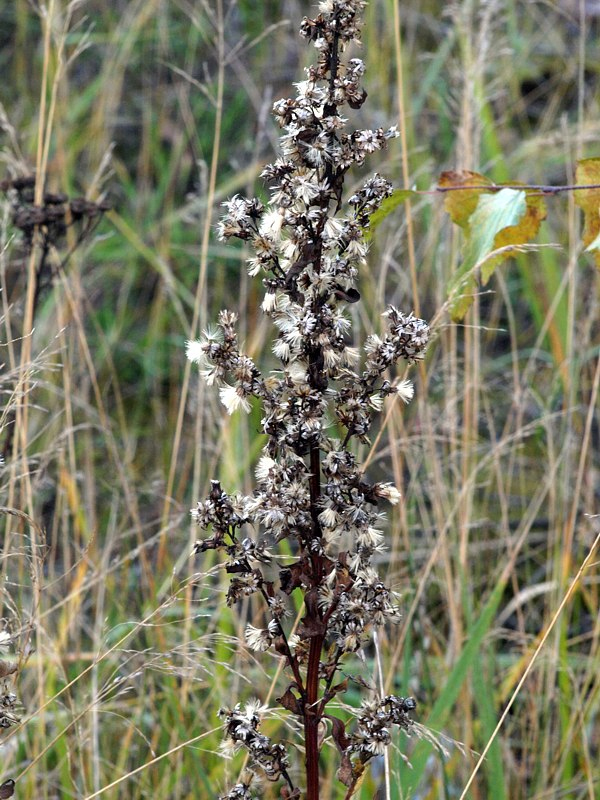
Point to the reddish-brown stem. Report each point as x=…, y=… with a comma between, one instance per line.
x=312, y=719
x=312, y=714
x=327, y=687
x=312, y=707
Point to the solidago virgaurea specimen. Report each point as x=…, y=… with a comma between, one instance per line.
x=308, y=244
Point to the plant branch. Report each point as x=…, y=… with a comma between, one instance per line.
x=526, y=187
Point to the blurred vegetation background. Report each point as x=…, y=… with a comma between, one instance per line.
x=125, y=645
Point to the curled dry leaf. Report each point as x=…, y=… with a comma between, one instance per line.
x=290, y=702
x=6, y=668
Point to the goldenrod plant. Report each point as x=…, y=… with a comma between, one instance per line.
x=308, y=245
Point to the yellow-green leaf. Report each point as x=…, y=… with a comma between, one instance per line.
x=385, y=209
x=494, y=213
x=588, y=172
x=460, y=202
x=494, y=219
x=523, y=232
x=594, y=245
x=462, y=300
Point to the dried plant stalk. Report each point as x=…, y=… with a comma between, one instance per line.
x=309, y=488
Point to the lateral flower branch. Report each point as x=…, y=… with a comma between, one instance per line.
x=308, y=249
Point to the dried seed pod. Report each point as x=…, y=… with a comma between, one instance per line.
x=7, y=789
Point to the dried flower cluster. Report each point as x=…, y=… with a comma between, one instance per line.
x=309, y=487
x=241, y=727
x=372, y=732
x=45, y=225
x=8, y=699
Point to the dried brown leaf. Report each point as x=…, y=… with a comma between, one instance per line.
x=290, y=702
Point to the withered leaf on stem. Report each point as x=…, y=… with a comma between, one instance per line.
x=339, y=688
x=345, y=773
x=312, y=624
x=294, y=577
x=339, y=733
x=280, y=646
x=290, y=702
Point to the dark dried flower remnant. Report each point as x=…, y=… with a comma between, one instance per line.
x=55, y=214
x=8, y=699
x=241, y=727
x=372, y=733
x=241, y=791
